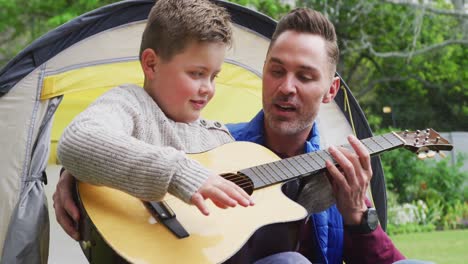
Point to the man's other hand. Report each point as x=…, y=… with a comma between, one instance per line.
x=66, y=211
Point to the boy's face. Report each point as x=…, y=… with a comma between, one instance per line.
x=296, y=80
x=184, y=85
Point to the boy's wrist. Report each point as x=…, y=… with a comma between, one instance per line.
x=188, y=179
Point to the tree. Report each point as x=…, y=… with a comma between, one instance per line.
x=271, y=8
x=409, y=56
x=23, y=21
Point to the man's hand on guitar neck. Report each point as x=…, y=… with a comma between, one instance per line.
x=222, y=193
x=351, y=180
x=66, y=211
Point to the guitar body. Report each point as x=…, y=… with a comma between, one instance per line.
x=236, y=235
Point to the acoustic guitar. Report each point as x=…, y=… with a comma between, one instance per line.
x=171, y=231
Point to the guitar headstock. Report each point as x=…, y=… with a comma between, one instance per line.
x=424, y=142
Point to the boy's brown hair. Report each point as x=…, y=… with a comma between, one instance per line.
x=306, y=20
x=173, y=24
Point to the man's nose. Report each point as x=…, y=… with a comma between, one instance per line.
x=288, y=85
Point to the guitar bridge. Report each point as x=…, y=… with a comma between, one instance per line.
x=164, y=214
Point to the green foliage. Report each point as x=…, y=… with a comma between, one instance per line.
x=380, y=41
x=421, y=217
x=409, y=228
x=414, y=179
x=437, y=184
x=456, y=215
x=435, y=210
x=411, y=217
x=271, y=8
x=23, y=21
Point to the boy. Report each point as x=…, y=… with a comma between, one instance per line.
x=135, y=139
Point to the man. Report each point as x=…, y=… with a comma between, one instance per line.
x=298, y=77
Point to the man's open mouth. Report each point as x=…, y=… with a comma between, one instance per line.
x=287, y=108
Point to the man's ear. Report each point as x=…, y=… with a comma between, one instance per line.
x=149, y=61
x=332, y=91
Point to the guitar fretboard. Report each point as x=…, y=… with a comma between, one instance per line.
x=312, y=163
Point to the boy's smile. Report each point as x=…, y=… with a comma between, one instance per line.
x=185, y=84
x=199, y=104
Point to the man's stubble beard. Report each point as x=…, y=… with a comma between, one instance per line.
x=287, y=127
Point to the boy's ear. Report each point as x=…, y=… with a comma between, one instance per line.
x=332, y=91
x=149, y=61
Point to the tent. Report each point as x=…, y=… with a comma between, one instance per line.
x=59, y=74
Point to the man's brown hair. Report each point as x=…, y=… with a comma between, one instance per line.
x=173, y=24
x=306, y=20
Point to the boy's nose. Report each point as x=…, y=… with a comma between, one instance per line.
x=207, y=87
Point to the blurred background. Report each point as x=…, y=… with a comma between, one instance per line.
x=406, y=63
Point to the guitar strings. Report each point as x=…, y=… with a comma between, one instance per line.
x=240, y=181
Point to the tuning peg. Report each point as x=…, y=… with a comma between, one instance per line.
x=431, y=154
x=422, y=155
x=442, y=155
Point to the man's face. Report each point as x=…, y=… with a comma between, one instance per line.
x=297, y=77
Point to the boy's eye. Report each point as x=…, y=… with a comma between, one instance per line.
x=196, y=74
x=214, y=76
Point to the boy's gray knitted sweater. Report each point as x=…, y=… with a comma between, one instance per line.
x=124, y=141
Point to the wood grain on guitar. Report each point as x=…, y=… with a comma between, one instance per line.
x=124, y=222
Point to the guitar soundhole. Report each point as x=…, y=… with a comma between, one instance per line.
x=240, y=180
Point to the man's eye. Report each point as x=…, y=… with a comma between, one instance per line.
x=276, y=73
x=305, y=78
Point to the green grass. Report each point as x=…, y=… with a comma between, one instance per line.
x=439, y=246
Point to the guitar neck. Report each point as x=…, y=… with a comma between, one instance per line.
x=312, y=163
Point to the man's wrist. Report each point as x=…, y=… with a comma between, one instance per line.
x=368, y=223
x=355, y=218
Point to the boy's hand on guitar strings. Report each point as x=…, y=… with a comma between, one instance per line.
x=351, y=180
x=66, y=211
x=222, y=193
